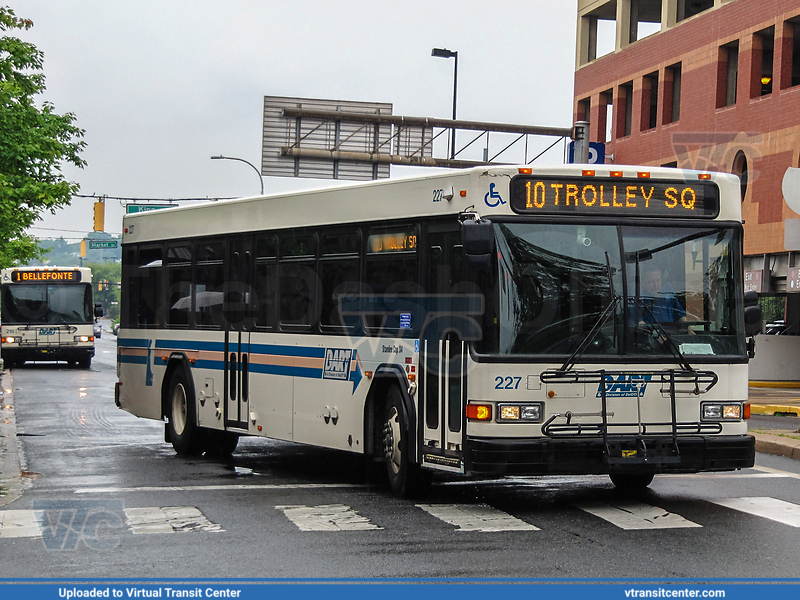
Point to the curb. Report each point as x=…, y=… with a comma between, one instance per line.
x=10, y=469
x=777, y=444
x=775, y=384
x=773, y=409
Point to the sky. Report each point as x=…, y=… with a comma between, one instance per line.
x=159, y=86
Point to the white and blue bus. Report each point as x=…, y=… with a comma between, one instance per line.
x=491, y=321
x=47, y=314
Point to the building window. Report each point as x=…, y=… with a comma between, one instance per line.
x=763, y=53
x=650, y=101
x=606, y=117
x=740, y=169
x=790, y=68
x=727, y=74
x=672, y=93
x=625, y=110
x=583, y=110
x=690, y=8
x=645, y=19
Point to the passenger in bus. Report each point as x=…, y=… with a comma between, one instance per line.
x=659, y=300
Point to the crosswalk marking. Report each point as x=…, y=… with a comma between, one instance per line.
x=769, y=508
x=19, y=523
x=479, y=517
x=327, y=517
x=636, y=515
x=168, y=519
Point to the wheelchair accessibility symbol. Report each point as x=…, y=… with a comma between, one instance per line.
x=492, y=195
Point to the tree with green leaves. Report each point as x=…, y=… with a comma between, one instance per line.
x=34, y=144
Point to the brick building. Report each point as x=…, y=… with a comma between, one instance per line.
x=705, y=84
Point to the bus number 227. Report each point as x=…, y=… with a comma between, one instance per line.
x=507, y=383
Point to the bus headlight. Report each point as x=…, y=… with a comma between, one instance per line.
x=520, y=413
x=9, y=340
x=83, y=338
x=719, y=411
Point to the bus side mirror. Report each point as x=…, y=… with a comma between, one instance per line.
x=752, y=314
x=98, y=309
x=478, y=240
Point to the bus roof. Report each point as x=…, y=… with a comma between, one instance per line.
x=443, y=193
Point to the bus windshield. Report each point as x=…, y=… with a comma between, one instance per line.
x=644, y=290
x=47, y=304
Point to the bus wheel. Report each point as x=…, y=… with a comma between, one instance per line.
x=183, y=433
x=405, y=477
x=85, y=362
x=631, y=482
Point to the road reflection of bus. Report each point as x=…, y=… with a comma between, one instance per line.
x=47, y=315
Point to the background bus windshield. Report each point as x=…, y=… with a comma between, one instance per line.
x=648, y=290
x=47, y=304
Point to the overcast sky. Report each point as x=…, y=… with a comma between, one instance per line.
x=159, y=86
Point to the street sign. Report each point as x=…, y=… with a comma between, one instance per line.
x=137, y=208
x=96, y=245
x=597, y=153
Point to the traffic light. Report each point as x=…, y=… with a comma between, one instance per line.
x=99, y=215
x=83, y=248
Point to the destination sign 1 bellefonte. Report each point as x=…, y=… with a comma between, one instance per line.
x=45, y=276
x=614, y=196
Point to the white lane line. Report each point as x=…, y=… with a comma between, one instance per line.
x=769, y=508
x=478, y=517
x=168, y=519
x=20, y=523
x=205, y=488
x=327, y=517
x=636, y=515
x=777, y=472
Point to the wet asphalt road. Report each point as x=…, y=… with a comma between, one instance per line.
x=94, y=470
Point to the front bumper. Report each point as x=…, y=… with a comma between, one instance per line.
x=592, y=456
x=16, y=353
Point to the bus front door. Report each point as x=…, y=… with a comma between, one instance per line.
x=443, y=358
x=237, y=379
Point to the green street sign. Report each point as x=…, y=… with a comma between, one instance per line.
x=137, y=208
x=96, y=245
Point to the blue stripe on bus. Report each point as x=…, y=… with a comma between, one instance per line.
x=259, y=349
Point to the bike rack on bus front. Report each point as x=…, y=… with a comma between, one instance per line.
x=634, y=449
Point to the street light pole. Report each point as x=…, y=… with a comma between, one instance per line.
x=260, y=179
x=445, y=53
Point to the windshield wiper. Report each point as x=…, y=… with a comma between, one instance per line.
x=601, y=320
x=656, y=329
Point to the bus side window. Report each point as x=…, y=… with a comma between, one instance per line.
x=148, y=281
x=266, y=281
x=209, y=279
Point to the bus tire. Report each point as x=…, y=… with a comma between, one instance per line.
x=85, y=362
x=406, y=478
x=182, y=424
x=631, y=482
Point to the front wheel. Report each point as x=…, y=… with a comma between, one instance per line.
x=183, y=431
x=631, y=482
x=406, y=478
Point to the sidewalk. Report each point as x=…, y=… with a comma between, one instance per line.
x=776, y=398
x=11, y=481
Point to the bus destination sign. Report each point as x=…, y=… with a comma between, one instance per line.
x=45, y=276
x=392, y=242
x=614, y=196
